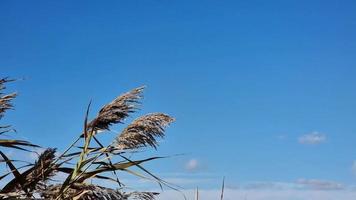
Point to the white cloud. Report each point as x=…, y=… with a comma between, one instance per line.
x=300, y=184
x=192, y=165
x=312, y=138
x=266, y=186
x=320, y=184
x=265, y=194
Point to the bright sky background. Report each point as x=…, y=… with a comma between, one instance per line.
x=263, y=92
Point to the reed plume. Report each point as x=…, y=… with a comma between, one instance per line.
x=117, y=110
x=5, y=99
x=82, y=191
x=42, y=170
x=143, y=195
x=143, y=132
x=27, y=182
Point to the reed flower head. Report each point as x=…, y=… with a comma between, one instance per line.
x=117, y=110
x=5, y=99
x=143, y=131
x=84, y=191
x=42, y=170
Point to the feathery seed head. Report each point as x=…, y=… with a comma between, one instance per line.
x=116, y=111
x=143, y=131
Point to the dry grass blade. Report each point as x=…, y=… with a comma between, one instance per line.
x=113, y=167
x=117, y=110
x=17, y=144
x=143, y=132
x=18, y=181
x=6, y=129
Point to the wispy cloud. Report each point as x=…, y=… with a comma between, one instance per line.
x=290, y=194
x=300, y=184
x=312, y=138
x=261, y=185
x=302, y=189
x=320, y=184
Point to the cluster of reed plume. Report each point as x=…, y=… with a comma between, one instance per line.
x=90, y=159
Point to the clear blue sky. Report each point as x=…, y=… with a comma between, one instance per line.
x=246, y=80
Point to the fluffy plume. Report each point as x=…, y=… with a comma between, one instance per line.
x=34, y=177
x=117, y=110
x=143, y=195
x=5, y=99
x=83, y=192
x=12, y=195
x=42, y=170
x=143, y=131
x=94, y=192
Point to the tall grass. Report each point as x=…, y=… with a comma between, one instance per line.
x=87, y=158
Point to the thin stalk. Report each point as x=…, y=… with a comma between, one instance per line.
x=71, y=146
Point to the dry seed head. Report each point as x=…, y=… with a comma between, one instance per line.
x=117, y=110
x=43, y=169
x=143, y=132
x=143, y=195
x=5, y=100
x=81, y=191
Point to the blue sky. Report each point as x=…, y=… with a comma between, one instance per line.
x=263, y=91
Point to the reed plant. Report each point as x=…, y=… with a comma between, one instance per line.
x=87, y=158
